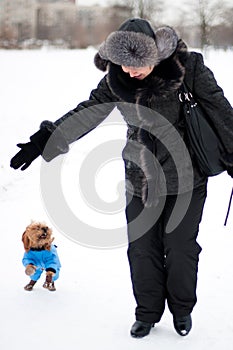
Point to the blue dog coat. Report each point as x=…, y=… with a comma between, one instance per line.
x=43, y=259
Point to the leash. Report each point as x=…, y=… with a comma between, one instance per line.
x=229, y=207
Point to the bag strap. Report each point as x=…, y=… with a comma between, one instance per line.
x=229, y=207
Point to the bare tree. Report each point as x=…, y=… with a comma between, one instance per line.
x=208, y=12
x=205, y=14
x=228, y=16
x=147, y=9
x=222, y=34
x=117, y=14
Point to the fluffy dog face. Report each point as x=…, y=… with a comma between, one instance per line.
x=38, y=236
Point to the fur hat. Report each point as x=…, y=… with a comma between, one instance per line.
x=136, y=44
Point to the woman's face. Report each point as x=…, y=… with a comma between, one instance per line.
x=138, y=72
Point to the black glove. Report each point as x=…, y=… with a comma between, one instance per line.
x=31, y=150
x=25, y=157
x=227, y=160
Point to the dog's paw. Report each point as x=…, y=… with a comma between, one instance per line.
x=30, y=285
x=30, y=270
x=49, y=276
x=50, y=286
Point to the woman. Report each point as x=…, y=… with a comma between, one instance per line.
x=145, y=71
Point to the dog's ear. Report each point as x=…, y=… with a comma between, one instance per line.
x=26, y=242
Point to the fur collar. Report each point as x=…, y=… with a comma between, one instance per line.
x=166, y=78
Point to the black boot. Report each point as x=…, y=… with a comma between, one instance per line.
x=140, y=329
x=183, y=324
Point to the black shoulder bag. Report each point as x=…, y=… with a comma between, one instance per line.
x=203, y=140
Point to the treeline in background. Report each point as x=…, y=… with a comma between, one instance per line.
x=65, y=23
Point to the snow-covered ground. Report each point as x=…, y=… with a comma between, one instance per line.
x=93, y=307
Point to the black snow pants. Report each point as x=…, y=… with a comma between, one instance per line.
x=164, y=265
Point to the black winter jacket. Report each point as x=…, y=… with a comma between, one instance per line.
x=152, y=111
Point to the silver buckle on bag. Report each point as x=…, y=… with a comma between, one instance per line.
x=185, y=96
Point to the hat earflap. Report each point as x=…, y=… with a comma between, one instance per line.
x=166, y=41
x=100, y=62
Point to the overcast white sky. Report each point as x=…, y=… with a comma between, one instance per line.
x=92, y=2
x=107, y=2
x=172, y=13
x=104, y=2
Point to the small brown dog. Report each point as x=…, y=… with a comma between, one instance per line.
x=40, y=254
